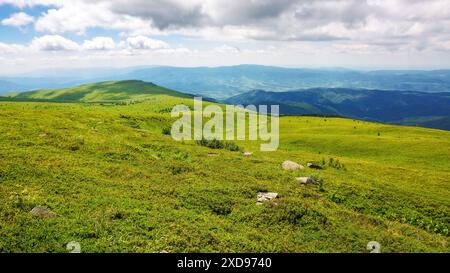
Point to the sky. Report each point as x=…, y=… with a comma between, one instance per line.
x=364, y=34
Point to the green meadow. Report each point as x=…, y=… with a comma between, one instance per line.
x=118, y=183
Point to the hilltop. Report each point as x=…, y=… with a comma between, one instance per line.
x=111, y=91
x=116, y=182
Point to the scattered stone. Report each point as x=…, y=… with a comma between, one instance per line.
x=248, y=154
x=43, y=135
x=265, y=197
x=212, y=155
x=290, y=165
x=314, y=166
x=43, y=212
x=305, y=180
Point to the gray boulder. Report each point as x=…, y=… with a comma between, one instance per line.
x=291, y=165
x=43, y=212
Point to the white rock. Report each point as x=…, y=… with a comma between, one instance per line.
x=305, y=180
x=290, y=165
x=248, y=154
x=266, y=196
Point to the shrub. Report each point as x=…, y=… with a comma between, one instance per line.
x=218, y=144
x=232, y=147
x=318, y=181
x=336, y=164
x=166, y=131
x=336, y=198
x=214, y=201
x=165, y=110
x=179, y=169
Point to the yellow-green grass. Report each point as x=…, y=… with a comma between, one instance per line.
x=119, y=185
x=110, y=91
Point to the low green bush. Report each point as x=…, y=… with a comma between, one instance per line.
x=218, y=144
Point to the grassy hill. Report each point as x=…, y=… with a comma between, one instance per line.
x=111, y=91
x=118, y=184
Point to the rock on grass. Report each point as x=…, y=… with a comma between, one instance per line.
x=305, y=180
x=265, y=197
x=43, y=212
x=291, y=165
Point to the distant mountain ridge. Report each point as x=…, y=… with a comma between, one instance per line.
x=227, y=81
x=396, y=107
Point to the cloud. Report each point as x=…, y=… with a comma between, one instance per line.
x=53, y=43
x=163, y=13
x=99, y=43
x=246, y=12
x=75, y=16
x=282, y=20
x=227, y=49
x=32, y=3
x=295, y=27
x=18, y=20
x=143, y=42
x=10, y=48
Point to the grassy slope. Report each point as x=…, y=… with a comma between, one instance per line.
x=101, y=92
x=118, y=184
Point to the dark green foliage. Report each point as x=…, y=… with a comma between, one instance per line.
x=165, y=110
x=295, y=214
x=318, y=180
x=179, y=169
x=336, y=164
x=219, y=144
x=206, y=200
x=166, y=131
x=335, y=197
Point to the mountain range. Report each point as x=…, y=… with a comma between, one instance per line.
x=396, y=107
x=228, y=81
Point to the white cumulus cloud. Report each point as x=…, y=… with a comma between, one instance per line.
x=53, y=43
x=227, y=49
x=10, y=48
x=143, y=42
x=99, y=43
x=18, y=20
